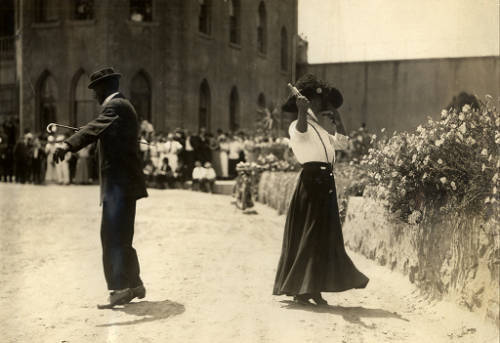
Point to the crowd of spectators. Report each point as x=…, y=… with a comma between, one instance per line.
x=176, y=159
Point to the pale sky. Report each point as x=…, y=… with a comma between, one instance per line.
x=368, y=30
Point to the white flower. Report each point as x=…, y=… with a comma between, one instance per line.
x=487, y=200
x=377, y=177
x=414, y=158
x=440, y=161
x=443, y=180
x=403, y=191
x=444, y=114
x=419, y=129
x=383, y=129
x=453, y=186
x=426, y=160
x=463, y=128
x=319, y=90
x=439, y=142
x=394, y=174
x=495, y=178
x=470, y=141
x=484, y=152
x=461, y=116
x=424, y=176
x=466, y=108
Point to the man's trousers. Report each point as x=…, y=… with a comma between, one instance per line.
x=121, y=265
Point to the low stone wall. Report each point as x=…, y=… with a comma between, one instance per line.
x=453, y=257
x=276, y=188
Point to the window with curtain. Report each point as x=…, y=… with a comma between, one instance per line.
x=262, y=29
x=140, y=95
x=234, y=21
x=83, y=9
x=204, y=19
x=284, y=49
x=47, y=102
x=46, y=11
x=84, y=104
x=234, y=110
x=204, y=106
x=141, y=10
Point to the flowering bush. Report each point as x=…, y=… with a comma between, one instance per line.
x=360, y=143
x=451, y=164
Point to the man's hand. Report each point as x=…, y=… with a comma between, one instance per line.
x=60, y=153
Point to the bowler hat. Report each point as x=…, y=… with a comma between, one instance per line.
x=309, y=86
x=102, y=74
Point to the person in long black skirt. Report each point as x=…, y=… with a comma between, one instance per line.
x=313, y=257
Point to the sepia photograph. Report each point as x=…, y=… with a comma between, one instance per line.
x=255, y=171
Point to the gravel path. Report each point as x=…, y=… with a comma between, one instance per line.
x=209, y=272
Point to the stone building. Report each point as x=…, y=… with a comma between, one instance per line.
x=185, y=63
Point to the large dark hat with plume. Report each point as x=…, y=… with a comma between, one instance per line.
x=310, y=87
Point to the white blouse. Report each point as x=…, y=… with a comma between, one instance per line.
x=307, y=145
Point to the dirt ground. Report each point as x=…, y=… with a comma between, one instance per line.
x=208, y=270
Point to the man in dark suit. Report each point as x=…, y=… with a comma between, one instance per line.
x=122, y=183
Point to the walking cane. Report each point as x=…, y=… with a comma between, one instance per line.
x=52, y=127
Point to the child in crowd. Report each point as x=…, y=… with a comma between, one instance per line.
x=62, y=169
x=165, y=175
x=208, y=182
x=198, y=175
x=149, y=170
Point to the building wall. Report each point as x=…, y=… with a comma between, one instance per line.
x=170, y=50
x=399, y=95
x=225, y=65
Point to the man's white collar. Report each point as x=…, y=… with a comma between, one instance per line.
x=108, y=99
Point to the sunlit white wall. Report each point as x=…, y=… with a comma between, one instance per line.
x=368, y=30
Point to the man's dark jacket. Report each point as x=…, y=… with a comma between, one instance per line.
x=120, y=166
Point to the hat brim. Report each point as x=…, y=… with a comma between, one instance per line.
x=102, y=78
x=333, y=96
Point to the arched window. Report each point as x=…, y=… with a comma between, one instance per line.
x=83, y=9
x=84, y=104
x=284, y=49
x=46, y=101
x=234, y=21
x=261, y=101
x=205, y=16
x=234, y=110
x=141, y=10
x=262, y=29
x=46, y=11
x=140, y=95
x=204, y=106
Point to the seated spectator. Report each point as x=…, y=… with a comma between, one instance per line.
x=165, y=175
x=182, y=174
x=208, y=182
x=198, y=175
x=149, y=171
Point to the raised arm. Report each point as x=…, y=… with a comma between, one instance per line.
x=303, y=106
x=91, y=132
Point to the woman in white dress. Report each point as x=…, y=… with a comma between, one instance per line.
x=50, y=148
x=313, y=256
x=224, y=156
x=171, y=150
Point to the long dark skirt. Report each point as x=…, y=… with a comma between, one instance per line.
x=313, y=257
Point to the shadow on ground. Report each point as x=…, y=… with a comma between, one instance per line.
x=148, y=311
x=349, y=314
